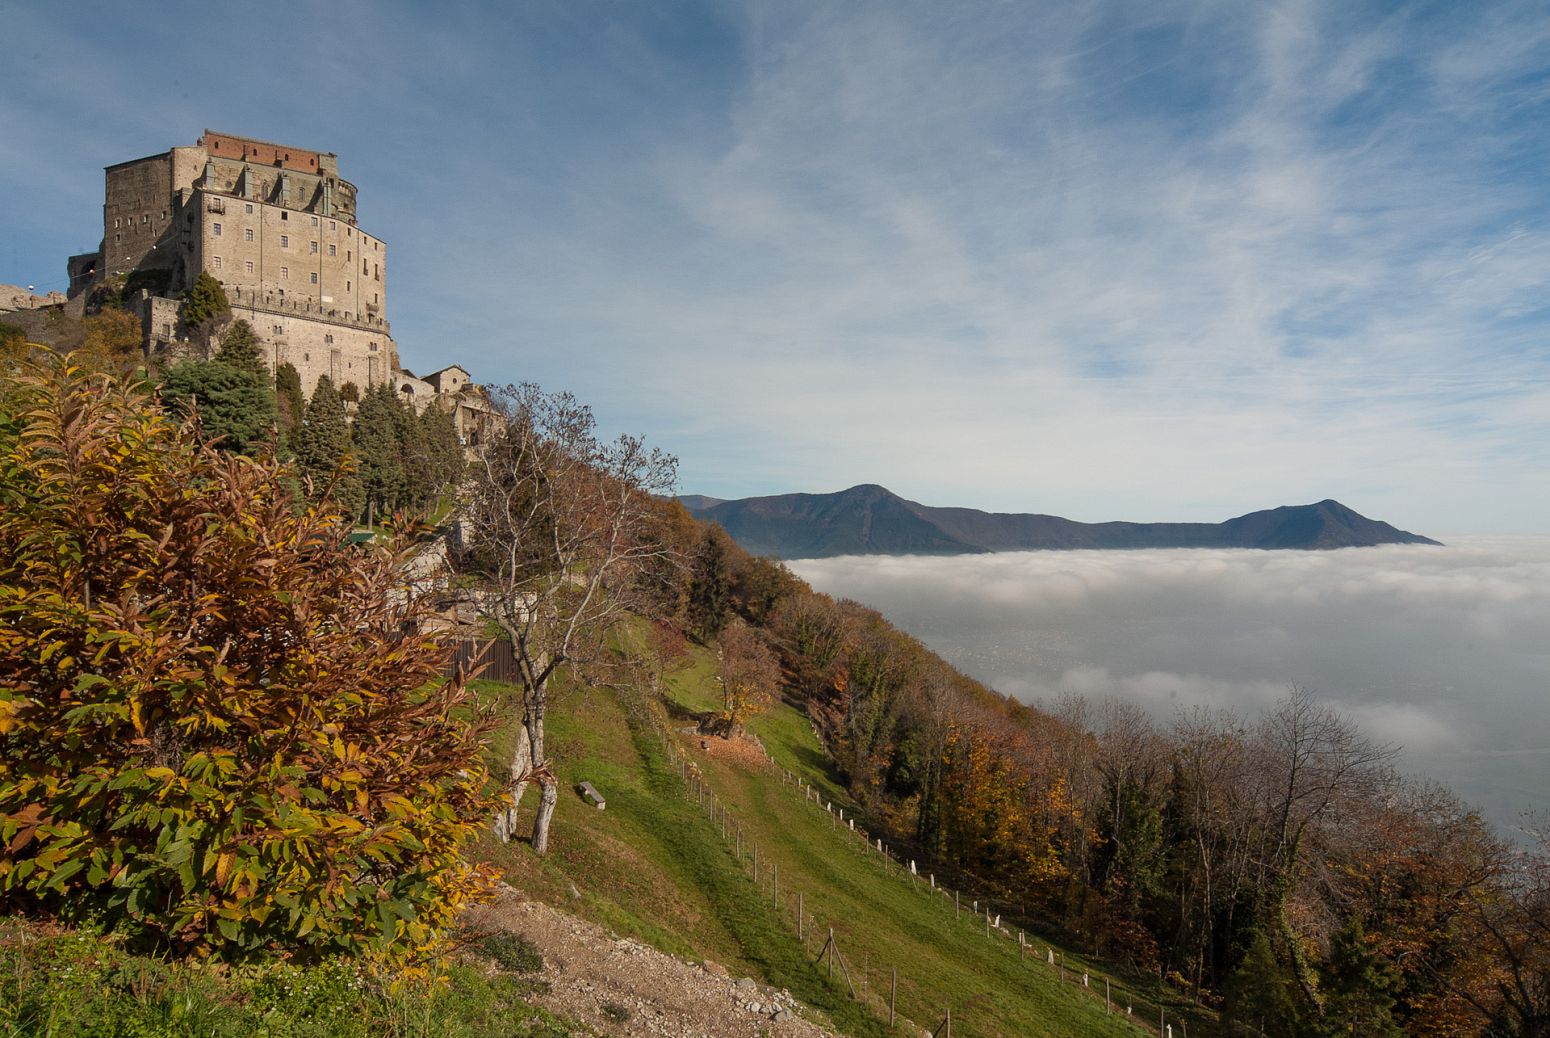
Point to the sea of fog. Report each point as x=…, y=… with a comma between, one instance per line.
x=1444, y=652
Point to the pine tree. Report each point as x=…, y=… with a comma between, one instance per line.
x=236, y=407
x=1361, y=987
x=323, y=453
x=1260, y=994
x=240, y=350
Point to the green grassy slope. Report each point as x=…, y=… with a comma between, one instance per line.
x=654, y=865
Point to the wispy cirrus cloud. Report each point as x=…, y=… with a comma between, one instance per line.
x=1105, y=260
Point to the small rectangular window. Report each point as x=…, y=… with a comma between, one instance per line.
x=374, y=347
x=250, y=266
x=332, y=250
x=248, y=207
x=285, y=273
x=284, y=215
x=279, y=329
x=215, y=230
x=217, y=263
x=365, y=267
x=247, y=234
x=328, y=338
x=115, y=221
x=333, y=225
x=314, y=221
x=285, y=241
x=313, y=248
x=314, y=276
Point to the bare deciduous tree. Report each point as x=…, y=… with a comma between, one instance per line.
x=560, y=523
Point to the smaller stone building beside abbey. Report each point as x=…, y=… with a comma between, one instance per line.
x=276, y=225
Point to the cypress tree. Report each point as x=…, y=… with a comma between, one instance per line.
x=290, y=404
x=710, y=590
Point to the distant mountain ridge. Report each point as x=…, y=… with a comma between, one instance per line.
x=872, y=520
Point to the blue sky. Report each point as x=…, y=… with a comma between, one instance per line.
x=1106, y=260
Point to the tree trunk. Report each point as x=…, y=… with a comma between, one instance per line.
x=548, y=788
x=522, y=762
x=549, y=795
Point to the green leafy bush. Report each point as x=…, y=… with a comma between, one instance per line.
x=219, y=729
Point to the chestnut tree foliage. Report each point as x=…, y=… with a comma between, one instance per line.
x=750, y=676
x=563, y=525
x=219, y=729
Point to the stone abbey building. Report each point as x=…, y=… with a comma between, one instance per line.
x=276, y=226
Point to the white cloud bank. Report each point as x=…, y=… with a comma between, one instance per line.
x=1443, y=651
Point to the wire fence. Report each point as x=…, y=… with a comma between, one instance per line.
x=835, y=946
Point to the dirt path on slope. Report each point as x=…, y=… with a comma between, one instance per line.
x=619, y=986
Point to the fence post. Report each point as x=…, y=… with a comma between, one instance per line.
x=893, y=994
x=800, y=935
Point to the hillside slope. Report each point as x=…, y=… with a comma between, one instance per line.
x=871, y=520
x=657, y=865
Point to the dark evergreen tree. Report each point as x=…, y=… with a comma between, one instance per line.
x=433, y=458
x=710, y=590
x=1361, y=987
x=379, y=442
x=236, y=407
x=240, y=350
x=205, y=308
x=1261, y=995
x=289, y=403
x=350, y=393
x=323, y=453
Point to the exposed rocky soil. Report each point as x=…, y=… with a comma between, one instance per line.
x=618, y=986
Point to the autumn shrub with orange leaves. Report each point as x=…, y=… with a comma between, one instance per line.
x=220, y=730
